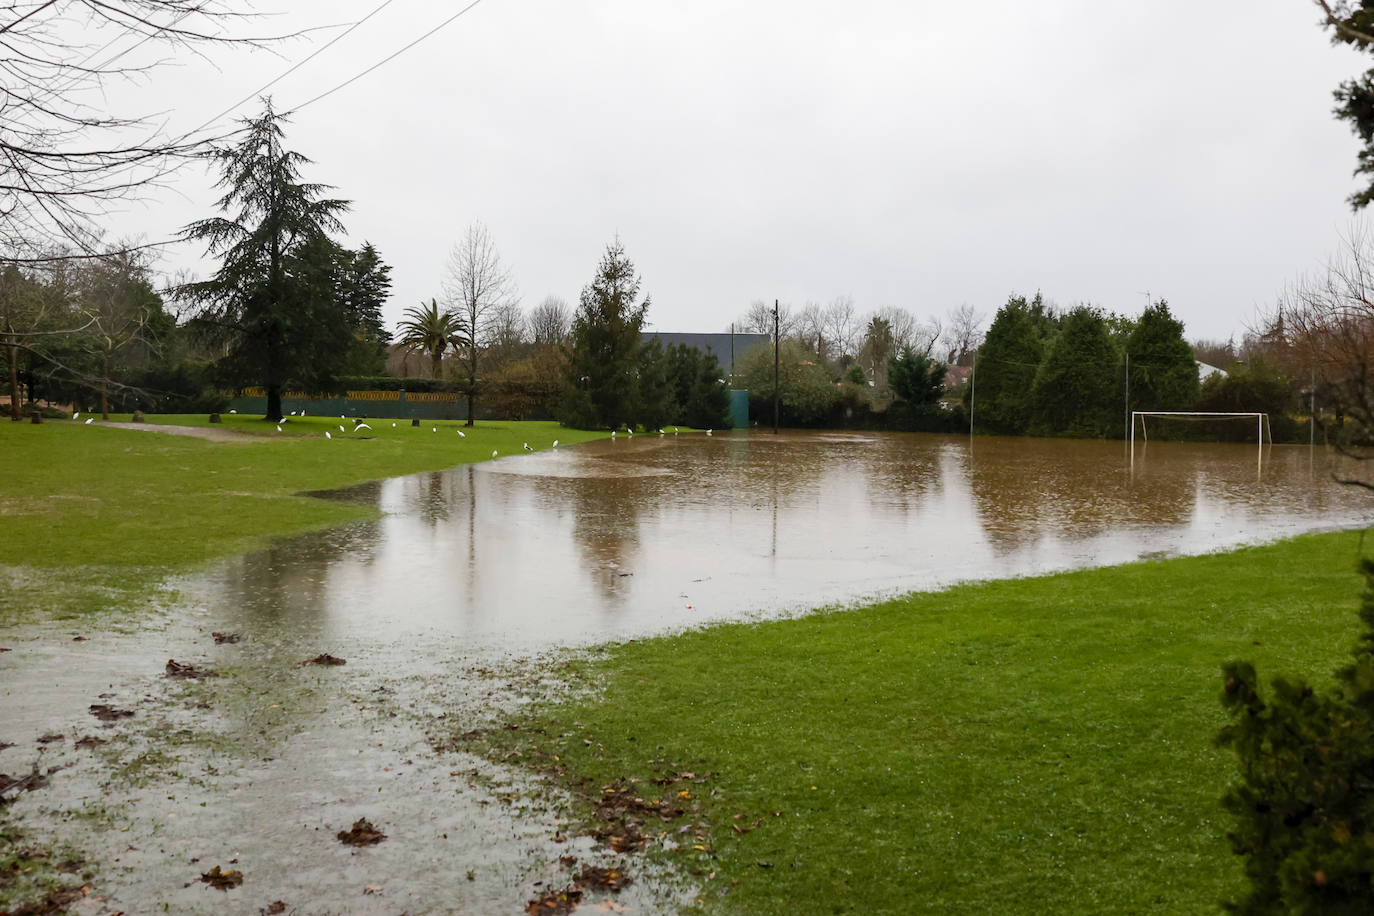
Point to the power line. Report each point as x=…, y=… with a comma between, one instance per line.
x=270, y=83
x=384, y=60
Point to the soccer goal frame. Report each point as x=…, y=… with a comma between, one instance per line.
x=1261, y=421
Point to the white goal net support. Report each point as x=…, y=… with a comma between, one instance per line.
x=1261, y=421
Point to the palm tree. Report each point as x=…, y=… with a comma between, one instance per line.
x=431, y=331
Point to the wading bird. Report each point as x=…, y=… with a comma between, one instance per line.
x=527, y=447
x=493, y=453
x=326, y=435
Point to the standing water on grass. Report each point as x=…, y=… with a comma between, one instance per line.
x=258, y=763
x=625, y=538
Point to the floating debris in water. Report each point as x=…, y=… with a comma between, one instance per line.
x=361, y=834
x=222, y=638
x=106, y=713
x=176, y=669
x=222, y=880
x=324, y=658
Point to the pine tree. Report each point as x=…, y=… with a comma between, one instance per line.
x=273, y=302
x=1075, y=388
x=600, y=387
x=1163, y=372
x=1007, y=362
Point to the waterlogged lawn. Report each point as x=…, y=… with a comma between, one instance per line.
x=1030, y=746
x=79, y=495
x=95, y=517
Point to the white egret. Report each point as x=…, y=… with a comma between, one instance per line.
x=302, y=411
x=90, y=419
x=293, y=413
x=361, y=426
x=555, y=443
x=527, y=447
x=434, y=429
x=278, y=427
x=77, y=415
x=232, y=410
x=393, y=425
x=326, y=435
x=341, y=429
x=461, y=434
x=708, y=432
x=493, y=453
x=612, y=434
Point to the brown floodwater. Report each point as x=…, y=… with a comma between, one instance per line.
x=621, y=539
x=453, y=605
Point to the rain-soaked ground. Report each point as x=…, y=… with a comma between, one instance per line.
x=459, y=602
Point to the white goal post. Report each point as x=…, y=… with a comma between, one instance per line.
x=1261, y=421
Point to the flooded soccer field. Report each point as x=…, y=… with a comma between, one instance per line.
x=457, y=601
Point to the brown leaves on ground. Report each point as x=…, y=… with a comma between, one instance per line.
x=362, y=834
x=55, y=901
x=176, y=669
x=567, y=900
x=106, y=713
x=89, y=741
x=602, y=879
x=11, y=786
x=557, y=903
x=222, y=880
x=221, y=639
x=324, y=658
x=275, y=908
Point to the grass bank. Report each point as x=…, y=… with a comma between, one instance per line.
x=1030, y=746
x=116, y=509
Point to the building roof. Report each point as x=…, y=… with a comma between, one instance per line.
x=718, y=345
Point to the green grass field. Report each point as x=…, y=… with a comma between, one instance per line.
x=92, y=495
x=1030, y=746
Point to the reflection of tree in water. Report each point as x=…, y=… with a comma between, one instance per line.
x=605, y=526
x=284, y=587
x=434, y=496
x=1025, y=490
x=901, y=471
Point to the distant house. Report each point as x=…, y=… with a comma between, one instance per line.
x=1205, y=371
x=726, y=348
x=957, y=375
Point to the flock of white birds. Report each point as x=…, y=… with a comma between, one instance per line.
x=360, y=425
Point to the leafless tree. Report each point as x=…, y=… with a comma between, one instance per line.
x=550, y=321
x=117, y=303
x=759, y=320
x=1326, y=326
x=477, y=285
x=841, y=323
x=64, y=156
x=507, y=334
x=963, y=334
x=810, y=329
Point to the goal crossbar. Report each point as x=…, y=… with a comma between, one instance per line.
x=1261, y=421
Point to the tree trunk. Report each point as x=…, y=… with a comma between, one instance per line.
x=274, y=403
x=437, y=366
x=16, y=409
x=472, y=385
x=105, y=390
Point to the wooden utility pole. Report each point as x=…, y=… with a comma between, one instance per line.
x=775, y=367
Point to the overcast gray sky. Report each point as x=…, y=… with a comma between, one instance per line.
x=917, y=154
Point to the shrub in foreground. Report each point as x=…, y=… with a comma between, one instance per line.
x=1304, y=806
